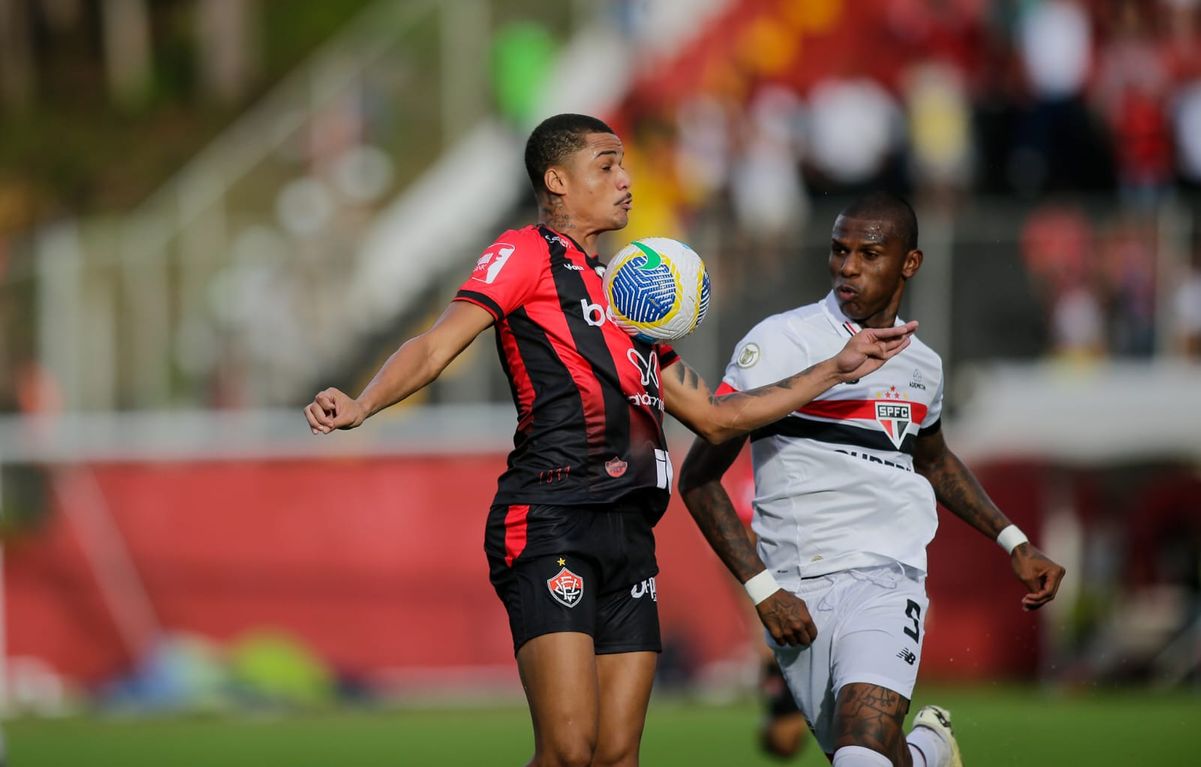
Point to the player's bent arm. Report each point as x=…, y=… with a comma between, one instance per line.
x=955, y=486
x=711, y=508
x=784, y=615
x=719, y=418
x=413, y=366
x=959, y=491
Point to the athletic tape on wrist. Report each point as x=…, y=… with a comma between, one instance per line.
x=1010, y=538
x=761, y=586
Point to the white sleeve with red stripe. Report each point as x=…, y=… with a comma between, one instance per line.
x=765, y=355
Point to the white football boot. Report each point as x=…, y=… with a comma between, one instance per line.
x=938, y=719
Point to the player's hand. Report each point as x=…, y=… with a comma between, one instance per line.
x=870, y=348
x=786, y=617
x=334, y=409
x=1038, y=572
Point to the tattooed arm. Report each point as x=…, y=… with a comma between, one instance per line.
x=959, y=491
x=719, y=418
x=783, y=614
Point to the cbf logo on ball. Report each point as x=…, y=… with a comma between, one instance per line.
x=657, y=288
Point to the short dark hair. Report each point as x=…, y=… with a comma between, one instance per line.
x=885, y=206
x=554, y=139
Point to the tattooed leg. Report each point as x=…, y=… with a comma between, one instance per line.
x=873, y=717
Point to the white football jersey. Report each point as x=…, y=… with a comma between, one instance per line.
x=834, y=482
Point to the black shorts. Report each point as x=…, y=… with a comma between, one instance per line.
x=587, y=569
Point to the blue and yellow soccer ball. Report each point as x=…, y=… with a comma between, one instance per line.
x=658, y=289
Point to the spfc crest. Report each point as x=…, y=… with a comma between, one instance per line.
x=895, y=417
x=566, y=588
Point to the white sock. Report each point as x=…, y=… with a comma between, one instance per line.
x=858, y=756
x=927, y=747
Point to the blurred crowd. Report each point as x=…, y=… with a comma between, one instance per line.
x=1047, y=102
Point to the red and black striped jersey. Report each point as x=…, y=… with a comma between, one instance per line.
x=589, y=406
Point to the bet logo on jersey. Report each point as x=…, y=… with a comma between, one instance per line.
x=566, y=587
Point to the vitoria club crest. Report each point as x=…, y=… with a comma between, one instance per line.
x=566, y=588
x=895, y=417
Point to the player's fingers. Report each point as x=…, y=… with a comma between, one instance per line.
x=808, y=632
x=1034, y=601
x=897, y=330
x=781, y=633
x=314, y=415
x=800, y=636
x=328, y=400
x=1046, y=587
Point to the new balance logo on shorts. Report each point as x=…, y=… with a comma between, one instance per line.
x=907, y=655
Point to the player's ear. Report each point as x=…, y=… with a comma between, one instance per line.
x=912, y=262
x=555, y=180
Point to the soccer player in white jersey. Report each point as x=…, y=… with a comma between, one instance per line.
x=845, y=493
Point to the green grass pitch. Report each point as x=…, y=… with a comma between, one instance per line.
x=997, y=726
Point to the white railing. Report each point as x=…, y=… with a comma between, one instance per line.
x=223, y=278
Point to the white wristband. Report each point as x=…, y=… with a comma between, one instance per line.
x=761, y=586
x=1010, y=538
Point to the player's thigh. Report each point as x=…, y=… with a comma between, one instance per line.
x=559, y=674
x=624, y=692
x=881, y=634
x=548, y=583
x=873, y=717
x=807, y=670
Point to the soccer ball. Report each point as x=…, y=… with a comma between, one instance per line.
x=657, y=288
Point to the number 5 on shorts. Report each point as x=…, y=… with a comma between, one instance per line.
x=913, y=611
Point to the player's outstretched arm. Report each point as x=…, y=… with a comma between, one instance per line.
x=958, y=490
x=719, y=418
x=783, y=614
x=411, y=367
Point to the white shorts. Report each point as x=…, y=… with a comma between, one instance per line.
x=870, y=626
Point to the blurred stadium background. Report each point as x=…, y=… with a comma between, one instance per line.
x=209, y=209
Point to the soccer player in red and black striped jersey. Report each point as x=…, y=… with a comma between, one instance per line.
x=569, y=537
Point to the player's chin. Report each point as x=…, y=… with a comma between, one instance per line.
x=620, y=219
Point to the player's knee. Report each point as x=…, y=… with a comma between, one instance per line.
x=566, y=750
x=872, y=717
x=781, y=742
x=624, y=754
x=618, y=747
x=778, y=748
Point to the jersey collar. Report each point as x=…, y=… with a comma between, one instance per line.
x=840, y=322
x=593, y=261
